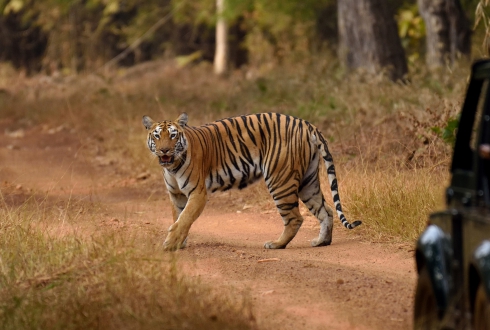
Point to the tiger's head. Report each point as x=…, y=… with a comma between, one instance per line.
x=166, y=139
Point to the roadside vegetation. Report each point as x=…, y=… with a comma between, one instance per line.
x=94, y=68
x=391, y=144
x=52, y=278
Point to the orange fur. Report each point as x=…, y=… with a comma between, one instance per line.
x=234, y=152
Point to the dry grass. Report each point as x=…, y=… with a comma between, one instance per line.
x=105, y=281
x=391, y=160
x=393, y=205
x=381, y=133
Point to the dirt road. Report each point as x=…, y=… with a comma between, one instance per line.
x=352, y=284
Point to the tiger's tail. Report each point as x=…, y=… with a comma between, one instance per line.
x=332, y=179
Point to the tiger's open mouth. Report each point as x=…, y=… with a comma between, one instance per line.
x=165, y=160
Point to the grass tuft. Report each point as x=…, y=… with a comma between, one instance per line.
x=394, y=205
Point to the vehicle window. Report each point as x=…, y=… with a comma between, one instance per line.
x=476, y=125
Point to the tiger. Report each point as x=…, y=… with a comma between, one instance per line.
x=235, y=152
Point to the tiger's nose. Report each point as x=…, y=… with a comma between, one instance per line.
x=164, y=150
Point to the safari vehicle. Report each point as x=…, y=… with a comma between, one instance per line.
x=453, y=253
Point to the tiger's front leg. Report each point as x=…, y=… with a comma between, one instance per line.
x=178, y=231
x=179, y=201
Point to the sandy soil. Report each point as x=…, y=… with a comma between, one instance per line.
x=352, y=284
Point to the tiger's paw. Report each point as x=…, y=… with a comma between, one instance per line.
x=169, y=248
x=316, y=242
x=274, y=245
x=173, y=243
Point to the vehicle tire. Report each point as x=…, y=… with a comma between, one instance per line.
x=481, y=313
x=425, y=308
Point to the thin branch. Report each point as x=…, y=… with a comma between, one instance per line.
x=138, y=41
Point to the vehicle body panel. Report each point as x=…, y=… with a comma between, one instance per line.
x=455, y=247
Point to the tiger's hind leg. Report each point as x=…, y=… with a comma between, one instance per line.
x=289, y=211
x=312, y=196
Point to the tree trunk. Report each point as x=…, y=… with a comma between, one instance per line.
x=368, y=37
x=221, y=54
x=448, y=34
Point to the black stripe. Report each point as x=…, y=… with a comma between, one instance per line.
x=229, y=134
x=266, y=122
x=307, y=180
x=246, y=152
x=287, y=206
x=192, y=190
x=220, y=180
x=183, y=158
x=232, y=178
x=328, y=156
x=168, y=184
x=276, y=147
x=249, y=132
x=232, y=158
x=186, y=181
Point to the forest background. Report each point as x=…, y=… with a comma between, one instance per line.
x=83, y=35
x=384, y=80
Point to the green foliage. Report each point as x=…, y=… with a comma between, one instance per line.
x=14, y=6
x=85, y=34
x=276, y=14
x=194, y=12
x=411, y=29
x=448, y=132
x=183, y=61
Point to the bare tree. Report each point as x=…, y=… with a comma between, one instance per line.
x=221, y=54
x=369, y=37
x=448, y=31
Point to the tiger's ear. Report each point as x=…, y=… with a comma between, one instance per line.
x=182, y=120
x=147, y=121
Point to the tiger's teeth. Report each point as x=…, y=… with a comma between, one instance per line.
x=166, y=159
